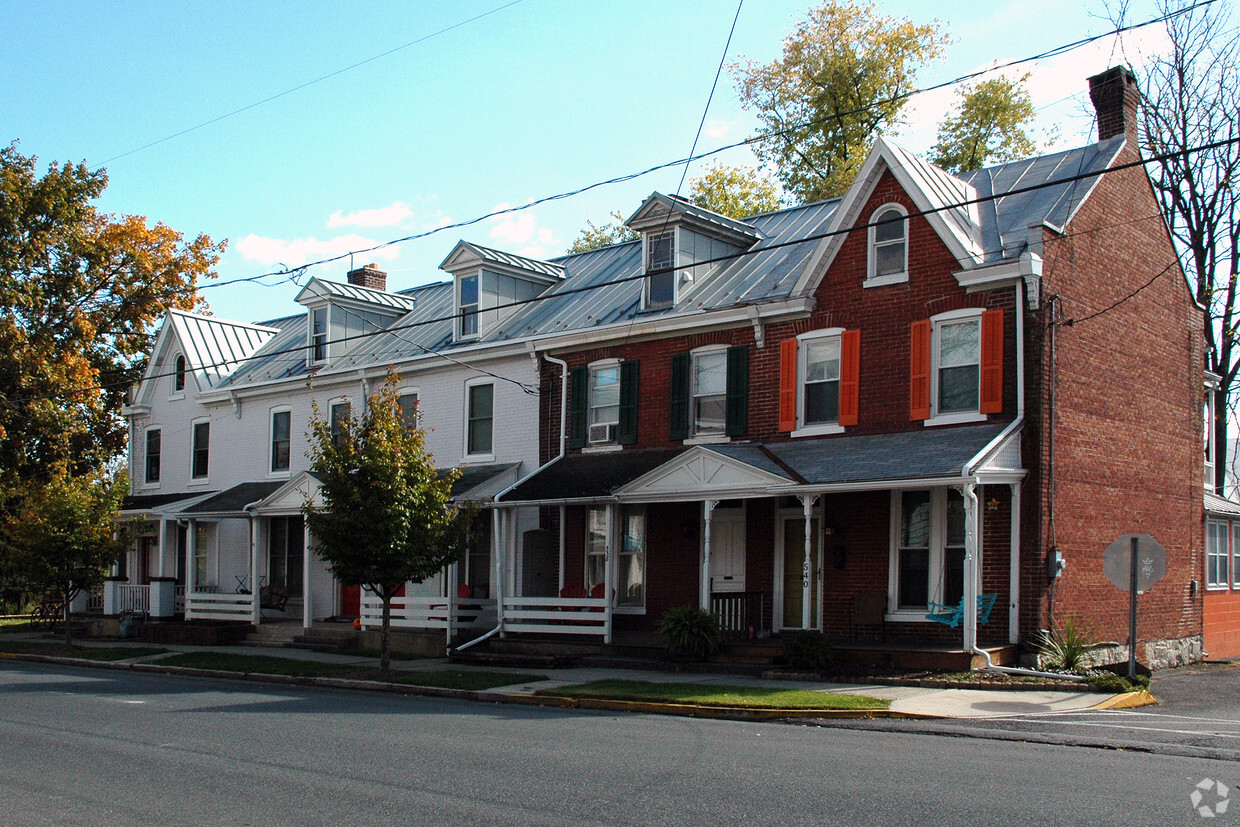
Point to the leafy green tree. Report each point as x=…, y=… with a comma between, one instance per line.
x=737, y=192
x=80, y=292
x=840, y=82
x=989, y=125
x=593, y=236
x=386, y=516
x=63, y=532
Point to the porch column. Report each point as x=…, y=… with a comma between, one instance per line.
x=191, y=551
x=498, y=552
x=452, y=579
x=972, y=568
x=807, y=567
x=1014, y=569
x=163, y=548
x=256, y=606
x=307, y=612
x=608, y=576
x=563, y=535
x=708, y=511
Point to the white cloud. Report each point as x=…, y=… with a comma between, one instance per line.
x=379, y=217
x=520, y=230
x=298, y=251
x=716, y=129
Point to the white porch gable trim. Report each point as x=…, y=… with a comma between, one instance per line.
x=291, y=497
x=700, y=473
x=1000, y=463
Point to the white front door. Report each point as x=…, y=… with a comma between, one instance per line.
x=727, y=550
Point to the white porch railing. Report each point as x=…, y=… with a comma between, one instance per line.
x=134, y=598
x=180, y=599
x=212, y=606
x=427, y=612
x=558, y=615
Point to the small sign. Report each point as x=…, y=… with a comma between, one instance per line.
x=1151, y=561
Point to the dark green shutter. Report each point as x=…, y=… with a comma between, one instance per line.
x=578, y=402
x=679, y=393
x=626, y=430
x=737, y=409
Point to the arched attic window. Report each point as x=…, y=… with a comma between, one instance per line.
x=178, y=377
x=888, y=248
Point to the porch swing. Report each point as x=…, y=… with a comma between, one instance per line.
x=952, y=616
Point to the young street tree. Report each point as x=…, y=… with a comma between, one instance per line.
x=841, y=82
x=593, y=236
x=81, y=292
x=386, y=516
x=63, y=534
x=1190, y=97
x=989, y=125
x=737, y=192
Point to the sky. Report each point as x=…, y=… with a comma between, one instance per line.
x=304, y=130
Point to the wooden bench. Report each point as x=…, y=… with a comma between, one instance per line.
x=953, y=615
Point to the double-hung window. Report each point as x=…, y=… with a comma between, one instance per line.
x=281, y=440
x=467, y=306
x=480, y=418
x=957, y=366
x=153, y=449
x=340, y=414
x=407, y=404
x=200, y=450
x=888, y=246
x=604, y=403
x=709, y=394
x=820, y=404
x=1217, y=554
x=318, y=335
x=957, y=352
x=1235, y=555
x=928, y=548
x=661, y=278
x=819, y=381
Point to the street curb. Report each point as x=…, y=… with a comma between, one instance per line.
x=486, y=695
x=1128, y=700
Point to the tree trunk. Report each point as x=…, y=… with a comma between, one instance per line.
x=385, y=636
x=68, y=596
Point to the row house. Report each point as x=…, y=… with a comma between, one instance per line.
x=858, y=416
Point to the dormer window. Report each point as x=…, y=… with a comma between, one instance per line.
x=888, y=247
x=467, y=306
x=660, y=258
x=318, y=335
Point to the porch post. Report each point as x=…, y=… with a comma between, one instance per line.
x=563, y=534
x=608, y=576
x=163, y=539
x=256, y=605
x=307, y=612
x=452, y=575
x=708, y=511
x=972, y=556
x=498, y=550
x=191, y=551
x=807, y=567
x=1014, y=570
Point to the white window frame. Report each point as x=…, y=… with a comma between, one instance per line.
x=318, y=342
x=146, y=445
x=1224, y=528
x=272, y=471
x=937, y=323
x=463, y=310
x=803, y=343
x=193, y=450
x=696, y=436
x=936, y=560
x=647, y=240
x=404, y=393
x=594, y=368
x=872, y=279
x=479, y=456
x=1209, y=440
x=180, y=369
x=332, y=405
x=621, y=556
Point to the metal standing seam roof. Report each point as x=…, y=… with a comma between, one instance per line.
x=499, y=257
x=213, y=347
x=365, y=295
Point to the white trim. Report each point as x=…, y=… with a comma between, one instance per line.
x=803, y=340
x=694, y=437
x=954, y=419
x=872, y=279
x=936, y=558
x=282, y=473
x=674, y=231
x=458, y=325
x=476, y=457
x=145, y=483
x=782, y=516
x=614, y=425
x=193, y=449
x=937, y=321
x=311, y=310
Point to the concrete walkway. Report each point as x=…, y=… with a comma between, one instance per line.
x=907, y=701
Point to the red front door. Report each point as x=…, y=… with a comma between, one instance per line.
x=350, y=601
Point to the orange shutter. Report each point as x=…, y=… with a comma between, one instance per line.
x=850, y=375
x=919, y=374
x=991, y=401
x=788, y=385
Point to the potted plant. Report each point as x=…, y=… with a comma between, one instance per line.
x=689, y=633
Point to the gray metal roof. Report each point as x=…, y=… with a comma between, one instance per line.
x=214, y=348
x=364, y=295
x=658, y=206
x=510, y=260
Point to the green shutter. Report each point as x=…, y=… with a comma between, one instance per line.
x=578, y=403
x=626, y=430
x=737, y=409
x=679, y=393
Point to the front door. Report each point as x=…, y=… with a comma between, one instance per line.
x=350, y=601
x=727, y=550
x=793, y=572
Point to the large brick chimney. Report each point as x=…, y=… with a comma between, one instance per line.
x=369, y=276
x=1116, y=98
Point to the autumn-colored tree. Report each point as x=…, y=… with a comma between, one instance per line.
x=737, y=192
x=842, y=80
x=63, y=533
x=989, y=125
x=80, y=292
x=386, y=516
x=593, y=236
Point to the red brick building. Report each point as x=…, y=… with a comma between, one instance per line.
x=917, y=397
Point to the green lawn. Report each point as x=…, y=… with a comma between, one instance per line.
x=753, y=697
x=15, y=624
x=263, y=664
x=25, y=647
x=465, y=679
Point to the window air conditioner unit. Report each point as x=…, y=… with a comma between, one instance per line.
x=603, y=432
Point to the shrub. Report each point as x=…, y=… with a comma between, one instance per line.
x=1066, y=649
x=1109, y=682
x=808, y=650
x=687, y=631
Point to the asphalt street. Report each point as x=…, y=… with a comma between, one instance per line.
x=81, y=746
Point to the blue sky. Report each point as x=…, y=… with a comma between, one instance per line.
x=530, y=99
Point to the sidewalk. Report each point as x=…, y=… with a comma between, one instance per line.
x=906, y=701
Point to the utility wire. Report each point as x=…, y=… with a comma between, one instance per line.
x=302, y=348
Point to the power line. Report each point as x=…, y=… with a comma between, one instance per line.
x=302, y=348
x=758, y=138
